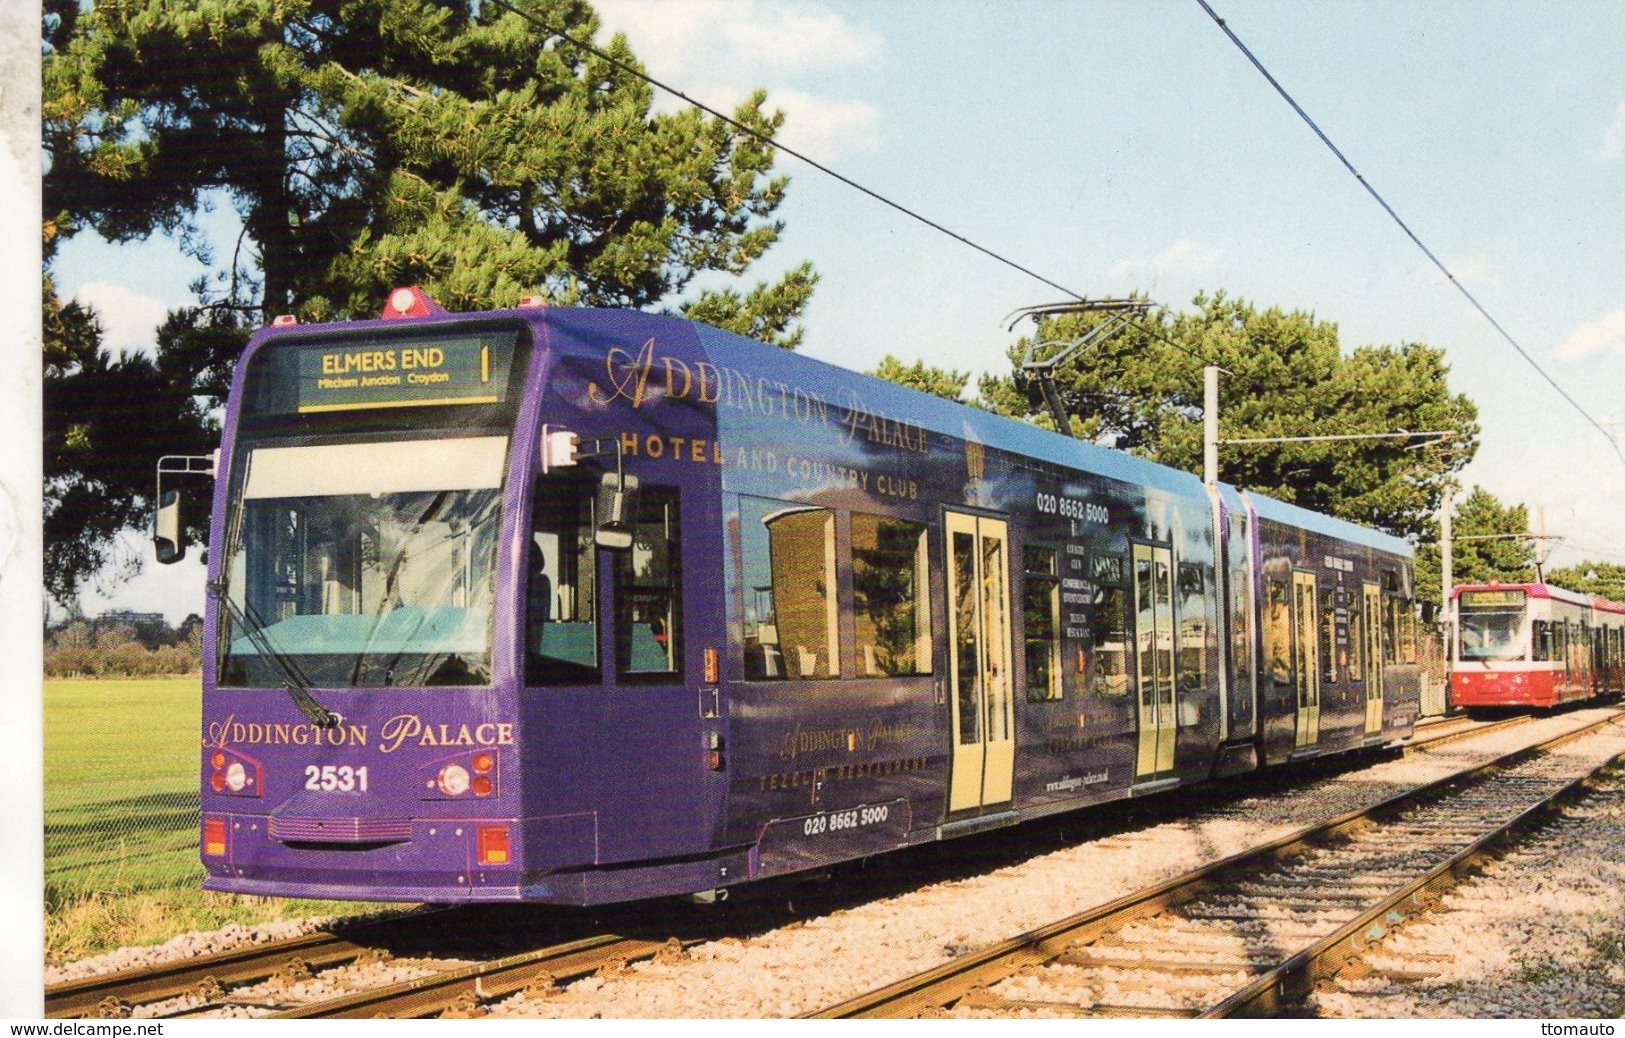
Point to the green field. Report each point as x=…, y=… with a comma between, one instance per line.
x=121, y=776
x=121, y=819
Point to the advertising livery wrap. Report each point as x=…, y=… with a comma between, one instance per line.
x=589, y=605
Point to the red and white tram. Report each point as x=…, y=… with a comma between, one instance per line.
x=1523, y=645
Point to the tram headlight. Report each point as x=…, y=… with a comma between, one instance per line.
x=455, y=777
x=452, y=780
x=233, y=773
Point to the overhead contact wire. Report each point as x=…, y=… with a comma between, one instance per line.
x=1476, y=305
x=786, y=149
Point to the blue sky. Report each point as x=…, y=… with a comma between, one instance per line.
x=1113, y=146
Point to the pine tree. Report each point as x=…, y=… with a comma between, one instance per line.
x=372, y=143
x=1286, y=376
x=366, y=144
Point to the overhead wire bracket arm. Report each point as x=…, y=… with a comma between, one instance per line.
x=1123, y=312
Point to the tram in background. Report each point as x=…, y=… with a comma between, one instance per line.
x=579, y=606
x=1534, y=645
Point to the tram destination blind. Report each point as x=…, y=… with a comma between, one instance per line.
x=1486, y=599
x=428, y=372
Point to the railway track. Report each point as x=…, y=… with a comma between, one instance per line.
x=1452, y=729
x=207, y=977
x=296, y=979
x=1251, y=934
x=280, y=979
x=1539, y=918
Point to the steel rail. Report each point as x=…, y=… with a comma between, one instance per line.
x=1469, y=730
x=1293, y=979
x=462, y=989
x=111, y=994
x=953, y=980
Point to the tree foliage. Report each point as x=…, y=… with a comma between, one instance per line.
x=373, y=143
x=1591, y=578
x=950, y=385
x=1287, y=376
x=1509, y=557
x=107, y=421
x=365, y=144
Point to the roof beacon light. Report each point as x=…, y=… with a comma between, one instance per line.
x=411, y=302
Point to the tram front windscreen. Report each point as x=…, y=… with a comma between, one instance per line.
x=1492, y=625
x=364, y=564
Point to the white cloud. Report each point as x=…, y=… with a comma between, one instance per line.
x=1613, y=137
x=1182, y=257
x=678, y=37
x=800, y=39
x=826, y=127
x=1605, y=333
x=128, y=318
x=718, y=51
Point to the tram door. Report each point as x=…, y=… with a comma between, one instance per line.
x=1306, y=657
x=981, y=686
x=1371, y=624
x=1154, y=656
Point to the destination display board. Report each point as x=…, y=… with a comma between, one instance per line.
x=420, y=372
x=1491, y=599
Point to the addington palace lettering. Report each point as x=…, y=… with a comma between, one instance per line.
x=645, y=377
x=400, y=730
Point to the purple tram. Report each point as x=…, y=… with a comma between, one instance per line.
x=579, y=606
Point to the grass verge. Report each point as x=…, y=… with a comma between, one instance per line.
x=121, y=821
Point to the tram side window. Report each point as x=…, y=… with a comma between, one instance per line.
x=788, y=555
x=891, y=608
x=648, y=593
x=1407, y=616
x=1328, y=635
x=561, y=628
x=1545, y=641
x=1356, y=637
x=1041, y=607
x=1108, y=633
x=1193, y=627
x=1277, y=633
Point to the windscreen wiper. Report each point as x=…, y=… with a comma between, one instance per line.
x=296, y=684
x=392, y=589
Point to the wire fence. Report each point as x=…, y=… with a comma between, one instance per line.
x=121, y=786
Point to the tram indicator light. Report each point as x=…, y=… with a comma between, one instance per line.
x=410, y=302
x=492, y=841
x=214, y=837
